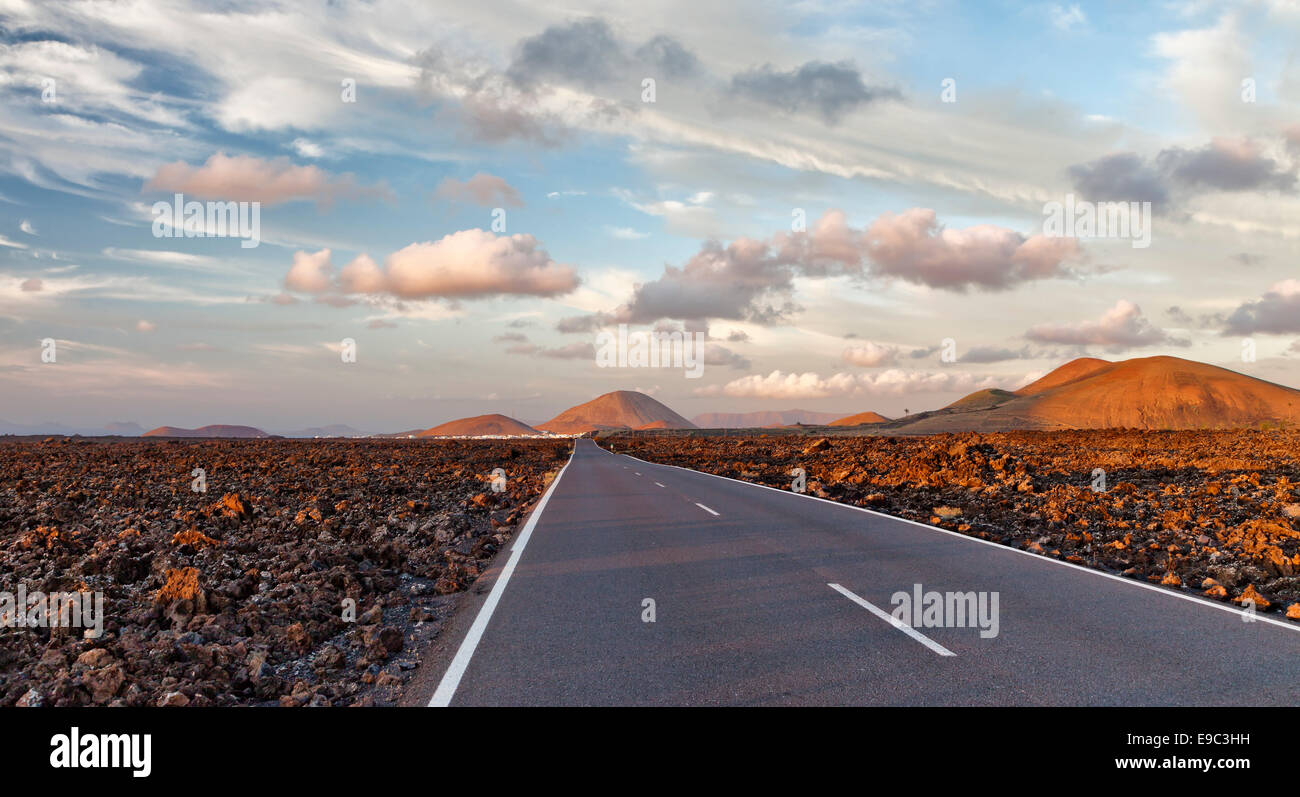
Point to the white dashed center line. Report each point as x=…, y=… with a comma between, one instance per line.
x=705, y=508
x=659, y=484
x=894, y=621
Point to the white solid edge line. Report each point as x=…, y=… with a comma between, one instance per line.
x=705, y=508
x=456, y=670
x=999, y=546
x=894, y=621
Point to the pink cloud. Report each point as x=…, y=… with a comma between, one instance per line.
x=481, y=189
x=310, y=273
x=914, y=247
x=244, y=178
x=468, y=264
x=1122, y=326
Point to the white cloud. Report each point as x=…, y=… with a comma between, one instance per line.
x=1067, y=17
x=810, y=385
x=626, y=233
x=870, y=354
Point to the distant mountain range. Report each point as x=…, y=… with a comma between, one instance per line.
x=123, y=429
x=1086, y=393
x=215, y=430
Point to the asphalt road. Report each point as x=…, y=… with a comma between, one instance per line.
x=745, y=612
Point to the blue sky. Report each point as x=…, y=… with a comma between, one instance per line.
x=663, y=214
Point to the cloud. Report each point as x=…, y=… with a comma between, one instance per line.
x=32, y=285
x=753, y=279
x=870, y=355
x=715, y=354
x=582, y=323
x=914, y=247
x=26, y=226
x=469, y=264
x=810, y=385
x=245, y=178
x=1177, y=173
x=510, y=337
x=536, y=97
x=1120, y=177
x=994, y=354
x=625, y=233
x=310, y=273
x=1226, y=164
x=163, y=257
x=1067, y=18
x=1121, y=327
x=476, y=263
x=587, y=53
x=572, y=351
x=1277, y=312
x=828, y=90
x=145, y=326
x=482, y=189
x=583, y=52
x=307, y=148
x=1291, y=135
x=668, y=57
x=1206, y=67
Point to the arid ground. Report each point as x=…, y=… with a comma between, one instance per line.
x=236, y=595
x=1215, y=513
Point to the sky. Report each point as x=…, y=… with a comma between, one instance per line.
x=849, y=201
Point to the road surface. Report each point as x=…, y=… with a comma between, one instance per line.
x=765, y=597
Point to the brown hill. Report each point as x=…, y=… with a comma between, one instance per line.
x=213, y=430
x=859, y=419
x=762, y=418
x=1142, y=393
x=1071, y=371
x=982, y=399
x=622, y=409
x=480, y=425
